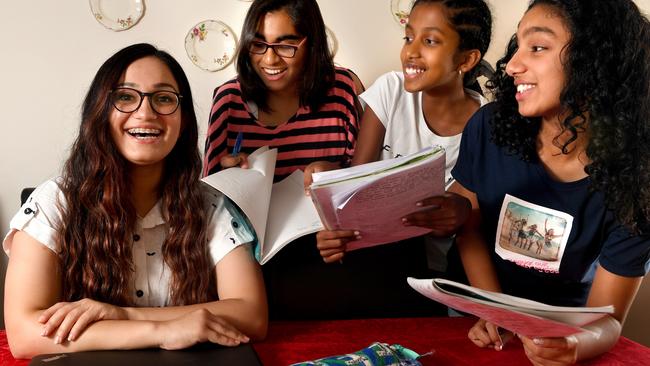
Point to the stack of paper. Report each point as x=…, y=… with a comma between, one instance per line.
x=372, y=198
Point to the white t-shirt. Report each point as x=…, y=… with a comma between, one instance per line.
x=407, y=132
x=401, y=114
x=39, y=217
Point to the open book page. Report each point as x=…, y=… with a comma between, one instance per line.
x=521, y=316
x=375, y=202
x=515, y=301
x=291, y=215
x=249, y=189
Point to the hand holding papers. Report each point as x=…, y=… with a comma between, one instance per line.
x=372, y=198
x=518, y=315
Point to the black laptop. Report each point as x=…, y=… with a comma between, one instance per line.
x=203, y=354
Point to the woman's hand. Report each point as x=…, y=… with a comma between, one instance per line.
x=485, y=334
x=70, y=319
x=229, y=161
x=444, y=215
x=550, y=351
x=196, y=327
x=331, y=243
x=316, y=167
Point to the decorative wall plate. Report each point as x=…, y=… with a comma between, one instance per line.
x=332, y=42
x=400, y=10
x=211, y=45
x=117, y=15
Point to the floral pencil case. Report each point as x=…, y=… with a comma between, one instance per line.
x=377, y=354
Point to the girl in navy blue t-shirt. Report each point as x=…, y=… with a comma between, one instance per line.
x=563, y=150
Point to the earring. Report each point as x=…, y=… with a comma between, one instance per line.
x=460, y=72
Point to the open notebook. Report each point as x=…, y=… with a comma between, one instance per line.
x=279, y=213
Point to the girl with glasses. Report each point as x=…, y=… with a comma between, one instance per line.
x=127, y=249
x=564, y=146
x=288, y=94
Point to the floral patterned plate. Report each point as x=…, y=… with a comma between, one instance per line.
x=400, y=10
x=117, y=15
x=211, y=45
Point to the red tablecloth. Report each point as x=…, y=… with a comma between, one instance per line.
x=290, y=342
x=295, y=341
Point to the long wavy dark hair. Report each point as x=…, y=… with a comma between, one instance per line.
x=472, y=20
x=318, y=68
x=607, y=68
x=98, y=220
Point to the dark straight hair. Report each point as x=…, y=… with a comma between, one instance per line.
x=318, y=68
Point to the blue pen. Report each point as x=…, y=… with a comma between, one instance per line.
x=235, y=150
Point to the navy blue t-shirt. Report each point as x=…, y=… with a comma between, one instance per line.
x=545, y=237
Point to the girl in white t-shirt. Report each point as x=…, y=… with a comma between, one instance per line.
x=426, y=104
x=127, y=249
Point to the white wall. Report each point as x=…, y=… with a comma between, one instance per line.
x=51, y=50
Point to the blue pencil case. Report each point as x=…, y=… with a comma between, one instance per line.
x=377, y=354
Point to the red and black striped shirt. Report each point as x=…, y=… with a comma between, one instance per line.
x=329, y=133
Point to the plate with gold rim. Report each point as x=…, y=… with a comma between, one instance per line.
x=211, y=45
x=117, y=15
x=400, y=10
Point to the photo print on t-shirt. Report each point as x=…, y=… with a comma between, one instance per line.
x=532, y=236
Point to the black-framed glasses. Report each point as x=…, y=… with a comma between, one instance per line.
x=280, y=49
x=128, y=100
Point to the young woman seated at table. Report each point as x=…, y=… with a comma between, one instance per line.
x=557, y=171
x=127, y=249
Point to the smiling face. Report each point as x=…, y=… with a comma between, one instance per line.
x=430, y=49
x=537, y=65
x=279, y=74
x=143, y=137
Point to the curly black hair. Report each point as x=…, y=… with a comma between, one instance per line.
x=607, y=69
